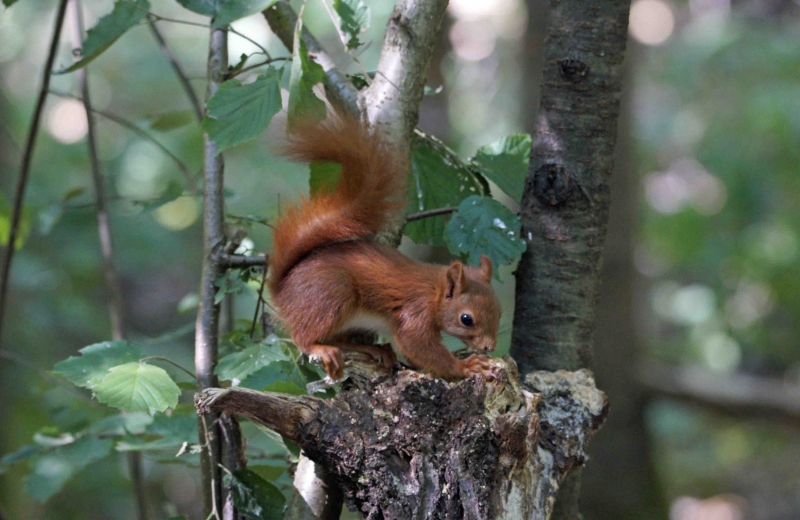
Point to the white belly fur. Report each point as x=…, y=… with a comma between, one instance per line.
x=368, y=321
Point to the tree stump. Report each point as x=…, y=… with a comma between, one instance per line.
x=408, y=446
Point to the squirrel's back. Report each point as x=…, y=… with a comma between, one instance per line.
x=370, y=190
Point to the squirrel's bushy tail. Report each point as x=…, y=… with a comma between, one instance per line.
x=371, y=189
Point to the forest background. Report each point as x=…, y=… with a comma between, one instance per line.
x=700, y=314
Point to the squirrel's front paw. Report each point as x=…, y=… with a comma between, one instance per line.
x=332, y=359
x=477, y=364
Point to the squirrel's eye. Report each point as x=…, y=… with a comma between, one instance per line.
x=466, y=319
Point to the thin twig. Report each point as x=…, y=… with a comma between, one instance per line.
x=230, y=261
x=209, y=445
x=182, y=166
x=245, y=37
x=259, y=303
x=27, y=157
x=266, y=62
x=171, y=362
x=115, y=306
x=344, y=41
x=429, y=213
x=187, y=86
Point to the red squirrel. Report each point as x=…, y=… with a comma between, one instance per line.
x=328, y=277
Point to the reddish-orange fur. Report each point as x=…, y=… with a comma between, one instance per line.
x=326, y=272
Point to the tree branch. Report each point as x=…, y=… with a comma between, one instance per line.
x=27, y=157
x=392, y=101
x=182, y=166
x=738, y=395
x=207, y=326
x=230, y=261
x=340, y=91
x=115, y=305
x=185, y=83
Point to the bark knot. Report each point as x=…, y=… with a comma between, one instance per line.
x=552, y=184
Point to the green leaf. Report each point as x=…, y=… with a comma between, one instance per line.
x=172, y=120
x=505, y=162
x=109, y=28
x=204, y=7
x=53, y=469
x=9, y=3
x=483, y=226
x=232, y=10
x=253, y=496
x=138, y=387
x=93, y=364
x=354, y=19
x=171, y=432
x=238, y=365
x=324, y=176
x=439, y=179
x=24, y=228
x=303, y=103
x=238, y=113
x=122, y=424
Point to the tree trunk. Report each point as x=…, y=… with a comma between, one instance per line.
x=565, y=204
x=410, y=446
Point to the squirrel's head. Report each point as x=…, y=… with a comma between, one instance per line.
x=468, y=308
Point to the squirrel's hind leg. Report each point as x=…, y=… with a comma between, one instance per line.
x=383, y=354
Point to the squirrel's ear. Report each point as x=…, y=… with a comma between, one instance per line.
x=456, y=279
x=486, y=269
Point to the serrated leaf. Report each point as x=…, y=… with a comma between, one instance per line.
x=354, y=17
x=126, y=14
x=238, y=365
x=138, y=387
x=483, y=226
x=93, y=364
x=253, y=496
x=238, y=113
x=324, y=176
x=304, y=105
x=24, y=228
x=439, y=179
x=53, y=469
x=505, y=162
x=172, y=120
x=232, y=10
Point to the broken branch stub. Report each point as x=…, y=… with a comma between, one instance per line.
x=410, y=446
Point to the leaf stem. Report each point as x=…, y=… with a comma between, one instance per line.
x=411, y=217
x=171, y=362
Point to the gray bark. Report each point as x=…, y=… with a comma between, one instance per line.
x=410, y=446
x=564, y=207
